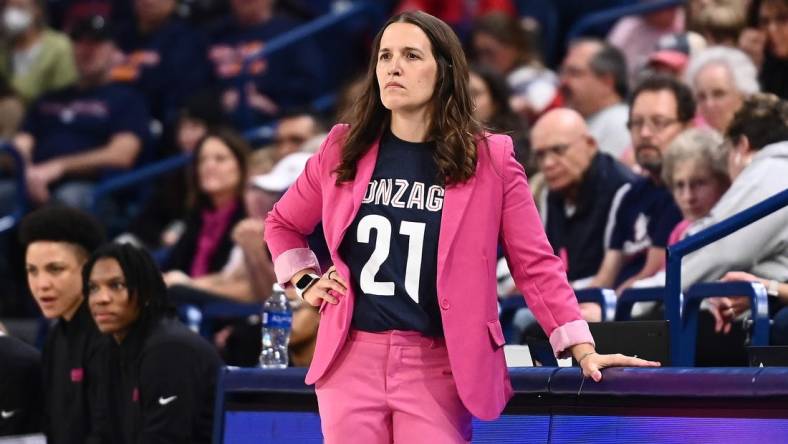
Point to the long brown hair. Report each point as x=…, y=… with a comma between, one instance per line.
x=240, y=150
x=452, y=126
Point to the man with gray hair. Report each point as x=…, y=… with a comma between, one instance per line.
x=594, y=83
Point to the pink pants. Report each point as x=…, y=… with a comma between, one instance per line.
x=389, y=387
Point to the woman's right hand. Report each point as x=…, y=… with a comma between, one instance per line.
x=328, y=288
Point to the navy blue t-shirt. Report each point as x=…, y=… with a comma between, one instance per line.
x=290, y=77
x=73, y=121
x=392, y=245
x=645, y=218
x=167, y=65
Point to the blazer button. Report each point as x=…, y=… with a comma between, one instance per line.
x=445, y=304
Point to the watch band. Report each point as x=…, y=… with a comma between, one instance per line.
x=304, y=283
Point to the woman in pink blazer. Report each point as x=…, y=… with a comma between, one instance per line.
x=414, y=198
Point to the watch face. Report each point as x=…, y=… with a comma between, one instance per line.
x=304, y=281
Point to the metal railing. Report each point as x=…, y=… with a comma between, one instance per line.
x=137, y=176
x=683, y=355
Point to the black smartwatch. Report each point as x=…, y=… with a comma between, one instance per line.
x=304, y=283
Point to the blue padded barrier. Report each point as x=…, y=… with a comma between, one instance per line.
x=700, y=405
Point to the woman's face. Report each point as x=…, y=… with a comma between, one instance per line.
x=406, y=69
x=695, y=189
x=484, y=108
x=217, y=169
x=717, y=96
x=773, y=17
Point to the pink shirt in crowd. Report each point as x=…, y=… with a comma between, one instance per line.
x=214, y=224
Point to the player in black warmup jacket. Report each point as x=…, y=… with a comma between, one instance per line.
x=161, y=375
x=57, y=242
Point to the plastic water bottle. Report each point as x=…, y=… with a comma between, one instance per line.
x=276, y=325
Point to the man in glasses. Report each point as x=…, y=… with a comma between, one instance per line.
x=661, y=107
x=577, y=202
x=594, y=83
x=293, y=131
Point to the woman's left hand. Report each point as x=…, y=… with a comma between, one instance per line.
x=593, y=363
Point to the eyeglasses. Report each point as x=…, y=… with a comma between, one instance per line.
x=655, y=123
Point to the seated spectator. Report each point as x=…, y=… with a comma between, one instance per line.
x=292, y=131
x=757, y=162
x=695, y=169
x=577, y=207
x=771, y=52
x=594, y=83
x=38, y=59
x=21, y=397
x=500, y=43
x=721, y=78
x=291, y=78
x=160, y=376
x=636, y=36
x=660, y=108
x=160, y=222
x=249, y=274
x=58, y=242
x=216, y=187
x=490, y=94
x=77, y=135
x=249, y=257
x=163, y=56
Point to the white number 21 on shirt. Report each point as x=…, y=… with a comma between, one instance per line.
x=415, y=233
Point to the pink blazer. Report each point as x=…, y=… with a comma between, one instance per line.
x=495, y=205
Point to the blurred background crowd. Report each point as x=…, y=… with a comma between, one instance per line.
x=179, y=123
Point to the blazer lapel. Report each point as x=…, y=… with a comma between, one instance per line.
x=455, y=203
x=364, y=170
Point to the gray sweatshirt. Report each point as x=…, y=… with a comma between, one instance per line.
x=760, y=248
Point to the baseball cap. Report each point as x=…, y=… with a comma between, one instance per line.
x=675, y=50
x=283, y=174
x=96, y=28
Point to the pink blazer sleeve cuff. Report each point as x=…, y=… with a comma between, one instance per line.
x=292, y=261
x=569, y=334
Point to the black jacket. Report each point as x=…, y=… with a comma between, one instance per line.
x=580, y=238
x=183, y=252
x=72, y=363
x=21, y=403
x=162, y=383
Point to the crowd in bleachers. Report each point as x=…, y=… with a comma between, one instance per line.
x=632, y=139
